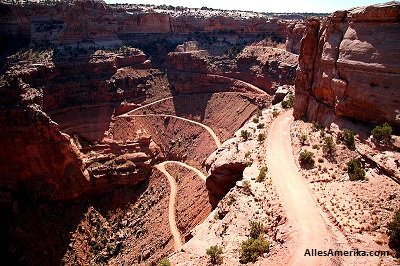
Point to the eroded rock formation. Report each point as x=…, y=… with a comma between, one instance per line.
x=349, y=66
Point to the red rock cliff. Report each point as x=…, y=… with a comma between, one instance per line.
x=349, y=66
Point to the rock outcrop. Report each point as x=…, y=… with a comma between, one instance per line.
x=349, y=66
x=58, y=111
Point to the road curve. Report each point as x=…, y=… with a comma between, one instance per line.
x=149, y=104
x=172, y=198
x=310, y=230
x=209, y=130
x=253, y=87
x=197, y=171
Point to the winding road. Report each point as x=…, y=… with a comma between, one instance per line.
x=209, y=130
x=310, y=230
x=172, y=198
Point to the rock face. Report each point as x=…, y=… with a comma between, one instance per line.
x=73, y=157
x=349, y=66
x=43, y=161
x=101, y=24
x=295, y=32
x=224, y=170
x=194, y=69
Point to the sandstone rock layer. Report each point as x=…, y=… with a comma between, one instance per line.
x=349, y=66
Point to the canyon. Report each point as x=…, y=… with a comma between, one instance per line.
x=135, y=133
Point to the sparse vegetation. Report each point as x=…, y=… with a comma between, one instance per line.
x=245, y=134
x=255, y=245
x=260, y=126
x=275, y=113
x=316, y=126
x=355, y=170
x=289, y=102
x=347, y=136
x=329, y=146
x=215, y=253
x=261, y=176
x=256, y=228
x=246, y=186
x=393, y=231
x=303, y=139
x=164, y=262
x=306, y=159
x=247, y=154
x=256, y=120
x=261, y=137
x=382, y=133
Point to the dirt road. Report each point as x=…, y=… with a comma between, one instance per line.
x=209, y=130
x=172, y=198
x=310, y=230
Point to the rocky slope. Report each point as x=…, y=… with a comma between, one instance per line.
x=349, y=66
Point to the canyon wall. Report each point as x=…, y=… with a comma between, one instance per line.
x=349, y=66
x=55, y=115
x=99, y=24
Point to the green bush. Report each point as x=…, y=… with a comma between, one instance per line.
x=306, y=159
x=303, y=139
x=260, y=126
x=355, y=170
x=164, y=262
x=215, y=253
x=289, y=102
x=245, y=134
x=261, y=137
x=383, y=132
x=347, y=136
x=252, y=248
x=262, y=174
x=329, y=146
x=256, y=120
x=256, y=228
x=393, y=230
x=275, y=113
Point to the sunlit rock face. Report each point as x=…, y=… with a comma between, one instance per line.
x=349, y=66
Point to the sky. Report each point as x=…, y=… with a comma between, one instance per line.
x=315, y=6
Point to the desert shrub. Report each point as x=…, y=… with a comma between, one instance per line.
x=215, y=253
x=245, y=134
x=289, y=102
x=306, y=159
x=355, y=170
x=261, y=137
x=256, y=228
x=393, y=230
x=275, y=113
x=316, y=126
x=246, y=187
x=164, y=262
x=260, y=126
x=247, y=154
x=322, y=132
x=383, y=132
x=252, y=248
x=303, y=139
x=329, y=146
x=256, y=120
x=347, y=136
x=262, y=174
